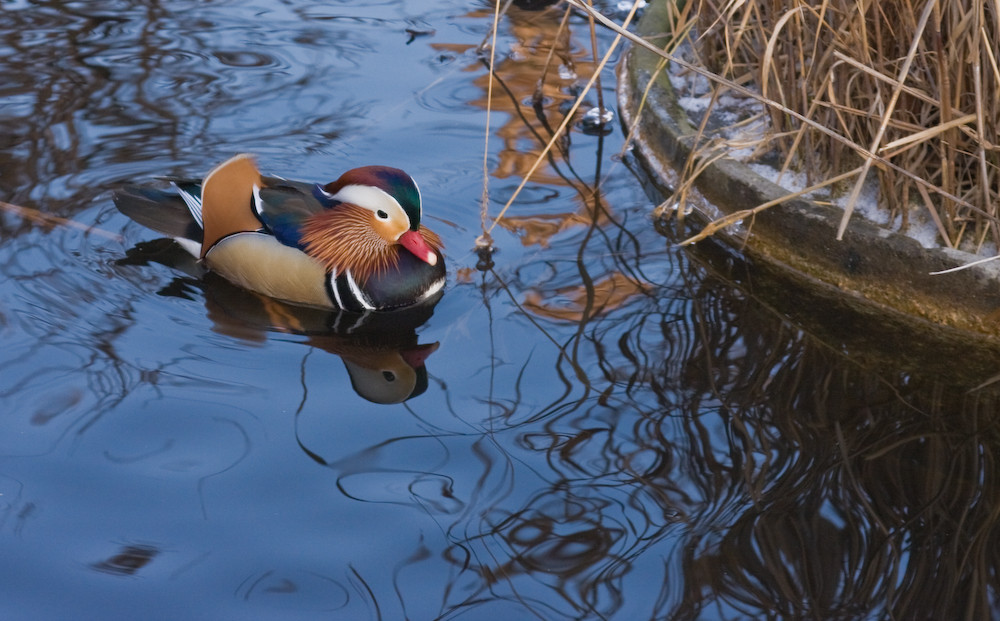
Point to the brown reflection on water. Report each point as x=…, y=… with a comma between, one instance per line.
x=536, y=80
x=59, y=87
x=529, y=104
x=577, y=302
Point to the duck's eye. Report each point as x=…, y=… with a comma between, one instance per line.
x=382, y=215
x=389, y=375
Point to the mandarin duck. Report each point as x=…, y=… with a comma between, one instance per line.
x=355, y=244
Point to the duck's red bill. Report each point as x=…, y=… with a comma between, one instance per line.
x=414, y=242
x=416, y=356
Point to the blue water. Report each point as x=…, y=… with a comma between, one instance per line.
x=612, y=427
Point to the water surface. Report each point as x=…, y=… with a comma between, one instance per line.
x=608, y=428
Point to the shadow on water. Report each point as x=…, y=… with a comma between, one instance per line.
x=590, y=424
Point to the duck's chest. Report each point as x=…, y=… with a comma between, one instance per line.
x=408, y=282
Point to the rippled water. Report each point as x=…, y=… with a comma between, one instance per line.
x=609, y=427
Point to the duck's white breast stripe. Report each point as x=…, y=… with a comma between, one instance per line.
x=436, y=286
x=356, y=291
x=333, y=288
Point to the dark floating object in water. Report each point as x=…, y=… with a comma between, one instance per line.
x=597, y=122
x=414, y=33
x=534, y=5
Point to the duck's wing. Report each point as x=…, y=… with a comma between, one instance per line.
x=284, y=206
x=227, y=194
x=233, y=198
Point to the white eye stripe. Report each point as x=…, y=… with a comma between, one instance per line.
x=372, y=199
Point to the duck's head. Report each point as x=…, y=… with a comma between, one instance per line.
x=391, y=199
x=389, y=376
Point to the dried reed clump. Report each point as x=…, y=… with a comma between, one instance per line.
x=915, y=83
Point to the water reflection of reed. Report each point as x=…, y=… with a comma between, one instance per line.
x=702, y=441
x=858, y=489
x=536, y=80
x=97, y=95
x=767, y=472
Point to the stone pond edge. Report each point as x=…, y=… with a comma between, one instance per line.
x=875, y=265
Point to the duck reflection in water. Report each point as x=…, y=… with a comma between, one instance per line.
x=380, y=350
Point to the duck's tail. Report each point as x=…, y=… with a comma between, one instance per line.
x=163, y=211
